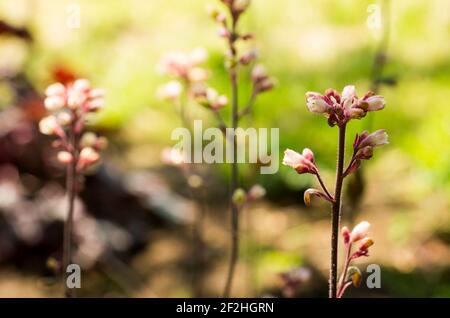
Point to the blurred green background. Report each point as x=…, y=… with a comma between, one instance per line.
x=306, y=46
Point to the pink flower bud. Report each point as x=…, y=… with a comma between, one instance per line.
x=198, y=56
x=345, y=232
x=365, y=153
x=54, y=103
x=256, y=192
x=308, y=154
x=76, y=98
x=96, y=93
x=64, y=157
x=240, y=5
x=264, y=86
x=56, y=89
x=316, y=103
x=88, y=156
x=64, y=118
x=102, y=143
x=171, y=90
x=359, y=231
x=366, y=243
x=88, y=139
x=349, y=92
x=356, y=113
x=248, y=57
x=221, y=17
x=259, y=73
x=375, y=139
x=48, y=125
x=95, y=104
x=220, y=102
x=81, y=85
x=375, y=103
x=224, y=32
x=299, y=162
x=197, y=74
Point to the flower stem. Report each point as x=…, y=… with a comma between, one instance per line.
x=68, y=225
x=342, y=282
x=324, y=187
x=336, y=213
x=234, y=183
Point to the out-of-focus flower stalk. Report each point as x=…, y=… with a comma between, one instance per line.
x=69, y=106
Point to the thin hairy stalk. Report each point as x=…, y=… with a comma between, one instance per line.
x=336, y=213
x=234, y=167
x=344, y=272
x=68, y=224
x=324, y=187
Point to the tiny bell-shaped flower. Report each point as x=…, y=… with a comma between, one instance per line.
x=302, y=163
x=64, y=157
x=49, y=125
x=366, y=243
x=345, y=232
x=373, y=102
x=256, y=192
x=375, y=139
x=88, y=156
x=64, y=118
x=316, y=103
x=239, y=6
x=248, y=57
x=170, y=91
x=359, y=232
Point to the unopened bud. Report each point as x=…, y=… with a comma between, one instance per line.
x=256, y=192
x=355, y=274
x=345, y=232
x=88, y=139
x=64, y=157
x=240, y=5
x=366, y=243
x=239, y=196
x=64, y=118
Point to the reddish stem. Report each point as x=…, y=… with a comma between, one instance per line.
x=336, y=213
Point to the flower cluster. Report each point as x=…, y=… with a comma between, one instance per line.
x=69, y=105
x=340, y=108
x=332, y=104
x=350, y=274
x=260, y=80
x=302, y=163
x=363, y=147
x=189, y=77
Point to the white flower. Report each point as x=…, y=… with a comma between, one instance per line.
x=54, y=103
x=316, y=103
x=375, y=103
x=349, y=92
x=48, y=125
x=171, y=90
x=359, y=231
